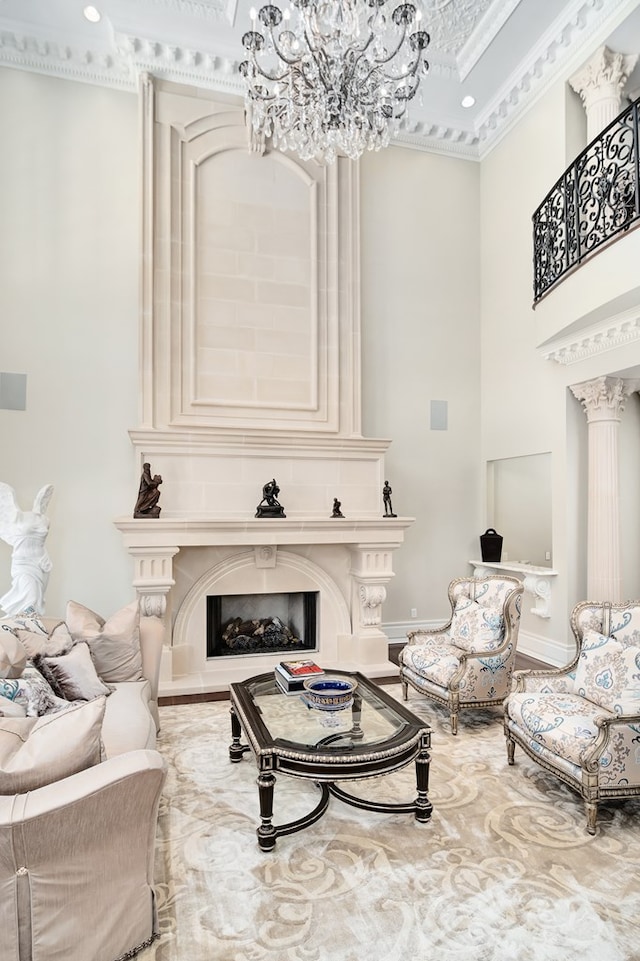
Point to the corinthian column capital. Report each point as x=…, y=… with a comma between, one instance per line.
x=599, y=83
x=603, y=398
x=605, y=69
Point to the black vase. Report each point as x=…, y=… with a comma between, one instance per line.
x=491, y=545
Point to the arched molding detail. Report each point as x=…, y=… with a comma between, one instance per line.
x=245, y=561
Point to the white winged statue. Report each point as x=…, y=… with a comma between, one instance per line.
x=25, y=532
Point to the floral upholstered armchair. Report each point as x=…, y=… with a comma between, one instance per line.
x=582, y=721
x=469, y=661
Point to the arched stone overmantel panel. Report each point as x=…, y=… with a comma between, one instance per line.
x=257, y=340
x=250, y=278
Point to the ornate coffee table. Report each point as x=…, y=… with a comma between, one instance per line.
x=376, y=735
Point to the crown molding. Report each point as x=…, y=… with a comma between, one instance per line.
x=179, y=64
x=619, y=331
x=446, y=141
x=490, y=24
x=564, y=47
x=580, y=27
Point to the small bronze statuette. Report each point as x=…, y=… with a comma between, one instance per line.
x=269, y=506
x=148, y=495
x=386, y=499
x=336, y=508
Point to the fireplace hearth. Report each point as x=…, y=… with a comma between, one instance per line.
x=243, y=624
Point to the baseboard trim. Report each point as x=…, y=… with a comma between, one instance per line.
x=397, y=631
x=548, y=650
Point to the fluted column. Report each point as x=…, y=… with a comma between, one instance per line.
x=603, y=400
x=600, y=83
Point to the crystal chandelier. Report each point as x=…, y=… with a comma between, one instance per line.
x=332, y=76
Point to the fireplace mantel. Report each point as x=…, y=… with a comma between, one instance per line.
x=197, y=531
x=348, y=561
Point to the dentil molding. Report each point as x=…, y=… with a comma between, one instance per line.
x=619, y=331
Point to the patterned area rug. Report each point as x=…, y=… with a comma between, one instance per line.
x=505, y=870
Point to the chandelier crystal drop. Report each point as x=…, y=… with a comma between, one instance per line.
x=332, y=76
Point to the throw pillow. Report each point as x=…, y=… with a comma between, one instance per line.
x=39, y=751
x=13, y=657
x=32, y=692
x=476, y=628
x=114, y=644
x=72, y=675
x=56, y=643
x=11, y=709
x=608, y=674
x=27, y=621
x=625, y=627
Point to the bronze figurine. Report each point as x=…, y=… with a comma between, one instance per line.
x=148, y=494
x=386, y=499
x=269, y=506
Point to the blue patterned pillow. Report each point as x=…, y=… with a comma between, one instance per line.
x=476, y=628
x=608, y=674
x=625, y=627
x=27, y=621
x=32, y=692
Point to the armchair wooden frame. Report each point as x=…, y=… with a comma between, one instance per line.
x=587, y=781
x=452, y=695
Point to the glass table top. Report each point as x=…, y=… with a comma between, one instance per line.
x=374, y=717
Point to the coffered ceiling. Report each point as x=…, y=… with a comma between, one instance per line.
x=503, y=53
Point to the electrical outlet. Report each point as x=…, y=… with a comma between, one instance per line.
x=505, y=556
x=547, y=555
x=414, y=612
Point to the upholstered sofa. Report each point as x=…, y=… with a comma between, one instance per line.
x=80, y=785
x=581, y=722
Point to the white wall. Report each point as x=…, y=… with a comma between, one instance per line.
x=527, y=407
x=68, y=313
x=420, y=334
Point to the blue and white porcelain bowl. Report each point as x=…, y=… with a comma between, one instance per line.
x=329, y=693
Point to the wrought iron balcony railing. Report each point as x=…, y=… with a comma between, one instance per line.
x=595, y=200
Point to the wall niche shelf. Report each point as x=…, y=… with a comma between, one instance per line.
x=537, y=581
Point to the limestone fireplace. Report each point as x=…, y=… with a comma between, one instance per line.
x=250, y=370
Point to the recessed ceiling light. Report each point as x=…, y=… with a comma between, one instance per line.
x=92, y=14
x=468, y=101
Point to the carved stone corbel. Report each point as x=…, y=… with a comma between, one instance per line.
x=372, y=597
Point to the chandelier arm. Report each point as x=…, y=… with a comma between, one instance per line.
x=411, y=71
x=378, y=61
x=392, y=78
x=381, y=60
x=283, y=57
x=267, y=75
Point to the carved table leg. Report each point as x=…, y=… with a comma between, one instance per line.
x=266, y=832
x=424, y=807
x=236, y=749
x=356, y=733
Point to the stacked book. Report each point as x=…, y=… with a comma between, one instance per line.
x=291, y=675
